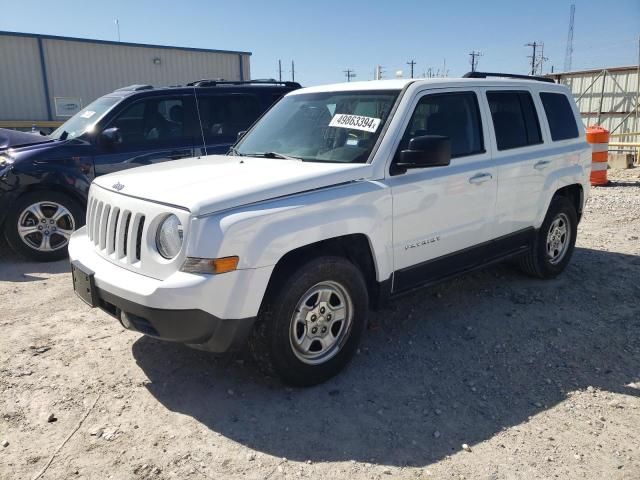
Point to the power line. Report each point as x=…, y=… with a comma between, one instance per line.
x=349, y=74
x=474, y=59
x=568, y=56
x=411, y=64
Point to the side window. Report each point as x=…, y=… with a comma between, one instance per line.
x=152, y=121
x=562, y=121
x=223, y=116
x=514, y=119
x=453, y=115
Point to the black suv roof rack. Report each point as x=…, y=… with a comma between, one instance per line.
x=213, y=82
x=135, y=88
x=507, y=75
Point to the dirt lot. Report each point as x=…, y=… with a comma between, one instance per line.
x=538, y=379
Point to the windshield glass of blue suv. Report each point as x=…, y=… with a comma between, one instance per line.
x=321, y=127
x=85, y=119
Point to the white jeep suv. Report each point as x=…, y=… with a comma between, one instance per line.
x=339, y=198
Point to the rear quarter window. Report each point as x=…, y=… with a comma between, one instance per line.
x=562, y=121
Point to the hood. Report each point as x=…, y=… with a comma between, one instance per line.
x=217, y=182
x=15, y=139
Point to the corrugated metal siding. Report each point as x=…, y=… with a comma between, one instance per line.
x=88, y=71
x=618, y=98
x=21, y=87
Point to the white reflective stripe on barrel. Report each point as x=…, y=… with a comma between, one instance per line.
x=599, y=147
x=598, y=166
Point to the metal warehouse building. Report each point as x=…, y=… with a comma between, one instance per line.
x=49, y=78
x=608, y=97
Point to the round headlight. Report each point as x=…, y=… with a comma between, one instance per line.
x=169, y=237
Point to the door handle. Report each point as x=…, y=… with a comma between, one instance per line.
x=541, y=164
x=479, y=178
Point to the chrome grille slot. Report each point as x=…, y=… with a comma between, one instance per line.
x=122, y=233
x=139, y=238
x=102, y=239
x=96, y=223
x=111, y=230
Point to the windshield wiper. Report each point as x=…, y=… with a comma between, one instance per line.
x=234, y=152
x=274, y=155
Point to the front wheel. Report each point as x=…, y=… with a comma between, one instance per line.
x=310, y=326
x=40, y=224
x=555, y=241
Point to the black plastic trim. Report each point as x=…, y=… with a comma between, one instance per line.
x=507, y=75
x=191, y=326
x=462, y=261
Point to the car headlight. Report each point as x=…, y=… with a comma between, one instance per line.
x=169, y=237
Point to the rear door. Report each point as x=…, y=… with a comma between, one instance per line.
x=520, y=156
x=153, y=129
x=223, y=116
x=441, y=214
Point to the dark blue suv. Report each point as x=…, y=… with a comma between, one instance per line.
x=44, y=180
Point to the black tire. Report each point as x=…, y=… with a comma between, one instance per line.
x=272, y=342
x=48, y=200
x=537, y=262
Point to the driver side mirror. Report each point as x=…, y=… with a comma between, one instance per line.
x=425, y=151
x=110, y=137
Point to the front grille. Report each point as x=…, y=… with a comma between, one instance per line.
x=116, y=232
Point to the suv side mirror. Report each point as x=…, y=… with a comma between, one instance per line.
x=110, y=137
x=426, y=151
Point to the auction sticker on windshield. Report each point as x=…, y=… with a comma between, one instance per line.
x=356, y=122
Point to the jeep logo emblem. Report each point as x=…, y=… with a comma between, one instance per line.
x=118, y=186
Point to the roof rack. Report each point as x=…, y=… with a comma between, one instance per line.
x=214, y=82
x=135, y=88
x=507, y=75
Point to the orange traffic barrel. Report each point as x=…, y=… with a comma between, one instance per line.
x=598, y=137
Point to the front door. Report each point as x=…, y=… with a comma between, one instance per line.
x=155, y=129
x=440, y=213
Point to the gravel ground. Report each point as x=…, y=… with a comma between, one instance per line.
x=537, y=379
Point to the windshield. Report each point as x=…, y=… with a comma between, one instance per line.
x=321, y=127
x=85, y=119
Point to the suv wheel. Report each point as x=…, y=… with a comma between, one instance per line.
x=40, y=224
x=309, y=328
x=555, y=241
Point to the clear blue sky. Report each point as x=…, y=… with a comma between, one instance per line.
x=325, y=37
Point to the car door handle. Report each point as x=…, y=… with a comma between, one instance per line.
x=541, y=164
x=479, y=178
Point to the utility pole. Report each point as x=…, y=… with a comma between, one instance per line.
x=568, y=55
x=379, y=72
x=118, y=28
x=279, y=70
x=349, y=74
x=474, y=59
x=533, y=56
x=411, y=64
x=293, y=71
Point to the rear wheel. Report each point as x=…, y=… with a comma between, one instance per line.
x=555, y=241
x=310, y=326
x=40, y=224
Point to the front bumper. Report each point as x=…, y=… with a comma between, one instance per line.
x=194, y=327
x=214, y=312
